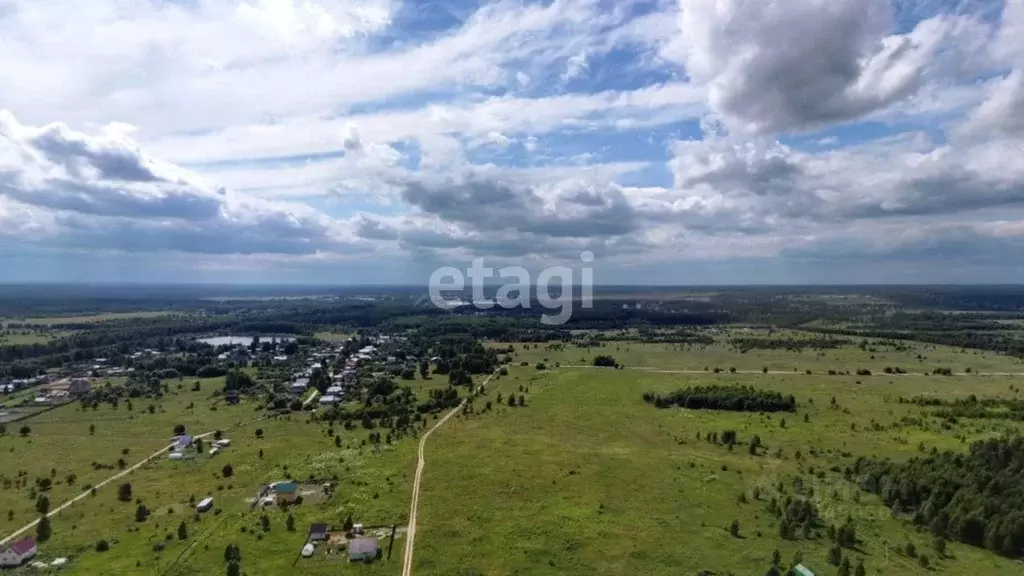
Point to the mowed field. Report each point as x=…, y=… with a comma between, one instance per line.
x=588, y=479
x=90, y=318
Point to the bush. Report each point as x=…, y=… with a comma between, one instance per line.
x=102, y=546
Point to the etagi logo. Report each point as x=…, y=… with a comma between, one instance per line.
x=478, y=274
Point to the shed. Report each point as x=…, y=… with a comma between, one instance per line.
x=802, y=570
x=318, y=531
x=363, y=550
x=286, y=492
x=205, y=504
x=175, y=456
x=328, y=399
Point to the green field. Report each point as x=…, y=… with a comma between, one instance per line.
x=92, y=318
x=588, y=479
x=585, y=479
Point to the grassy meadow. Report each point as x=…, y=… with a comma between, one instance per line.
x=588, y=479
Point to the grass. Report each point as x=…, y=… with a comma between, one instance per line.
x=587, y=479
x=92, y=318
x=28, y=339
x=333, y=336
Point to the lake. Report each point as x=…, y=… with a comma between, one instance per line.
x=246, y=340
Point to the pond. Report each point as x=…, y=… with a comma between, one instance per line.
x=234, y=340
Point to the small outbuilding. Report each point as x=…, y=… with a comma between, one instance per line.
x=363, y=550
x=318, y=532
x=286, y=492
x=802, y=570
x=308, y=550
x=205, y=504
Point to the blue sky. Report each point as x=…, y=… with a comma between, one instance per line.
x=369, y=141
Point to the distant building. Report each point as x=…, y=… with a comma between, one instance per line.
x=335, y=391
x=802, y=570
x=363, y=550
x=205, y=504
x=286, y=492
x=318, y=532
x=19, y=552
x=328, y=400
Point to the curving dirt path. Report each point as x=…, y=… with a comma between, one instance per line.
x=410, y=541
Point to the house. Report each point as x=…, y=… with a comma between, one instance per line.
x=802, y=570
x=335, y=391
x=363, y=550
x=328, y=400
x=205, y=504
x=16, y=554
x=181, y=442
x=286, y=492
x=79, y=387
x=318, y=532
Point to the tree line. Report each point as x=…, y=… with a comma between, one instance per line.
x=721, y=397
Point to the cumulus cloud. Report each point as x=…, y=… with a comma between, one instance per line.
x=793, y=65
x=104, y=192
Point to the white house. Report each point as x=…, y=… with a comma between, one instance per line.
x=17, y=553
x=328, y=399
x=335, y=391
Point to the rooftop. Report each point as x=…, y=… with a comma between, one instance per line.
x=286, y=488
x=24, y=545
x=363, y=546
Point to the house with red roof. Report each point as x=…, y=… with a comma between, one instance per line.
x=16, y=554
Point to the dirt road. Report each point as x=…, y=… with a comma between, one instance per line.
x=410, y=541
x=85, y=493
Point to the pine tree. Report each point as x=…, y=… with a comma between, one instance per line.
x=835, y=555
x=289, y=523
x=182, y=531
x=859, y=570
x=844, y=567
x=43, y=529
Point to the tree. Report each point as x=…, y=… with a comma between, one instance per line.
x=939, y=544
x=923, y=561
x=424, y=369
x=25, y=430
x=227, y=471
x=124, y=492
x=859, y=570
x=233, y=569
x=511, y=399
x=909, y=550
x=199, y=445
x=43, y=504
x=844, y=567
x=182, y=531
x=179, y=429
x=3, y=428
x=218, y=434
x=92, y=429
x=522, y=400
x=773, y=570
x=347, y=523
x=43, y=529
x=261, y=452
x=141, y=513
x=835, y=555
x=337, y=441
x=734, y=528
x=265, y=523
x=289, y=523
x=259, y=432
x=102, y=546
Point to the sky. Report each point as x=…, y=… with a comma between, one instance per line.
x=680, y=142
